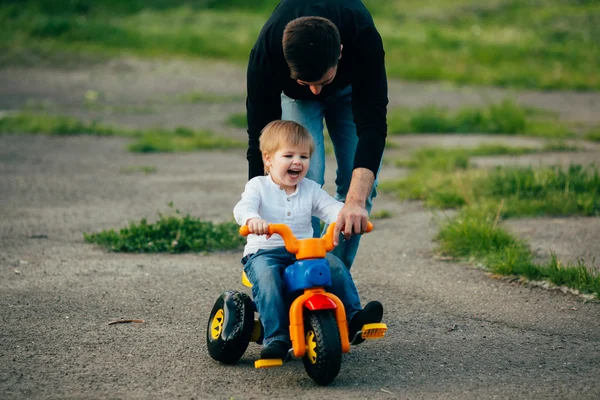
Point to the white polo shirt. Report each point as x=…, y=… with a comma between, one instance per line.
x=263, y=198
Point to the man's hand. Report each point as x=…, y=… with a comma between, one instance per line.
x=258, y=226
x=353, y=218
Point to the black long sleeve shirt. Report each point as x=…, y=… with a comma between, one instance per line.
x=362, y=66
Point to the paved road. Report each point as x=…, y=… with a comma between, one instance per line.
x=454, y=332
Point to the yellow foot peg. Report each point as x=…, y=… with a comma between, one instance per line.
x=373, y=331
x=268, y=363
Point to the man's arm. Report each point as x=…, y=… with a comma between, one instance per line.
x=263, y=104
x=369, y=107
x=369, y=99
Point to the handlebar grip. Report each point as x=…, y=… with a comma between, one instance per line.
x=245, y=231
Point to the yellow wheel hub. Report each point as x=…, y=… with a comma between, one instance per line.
x=311, y=347
x=217, y=324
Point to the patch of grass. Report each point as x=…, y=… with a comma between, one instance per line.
x=170, y=234
x=443, y=179
x=547, y=191
x=503, y=118
x=184, y=30
x=182, y=140
x=147, y=140
x=525, y=191
x=549, y=45
x=501, y=43
x=475, y=235
x=238, y=120
x=437, y=158
x=133, y=169
x=593, y=135
x=450, y=159
x=436, y=188
x=211, y=98
x=382, y=214
x=55, y=125
x=559, y=146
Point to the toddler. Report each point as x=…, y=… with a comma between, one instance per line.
x=283, y=196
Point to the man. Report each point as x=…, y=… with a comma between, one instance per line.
x=324, y=60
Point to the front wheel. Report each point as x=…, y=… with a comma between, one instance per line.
x=323, y=357
x=230, y=326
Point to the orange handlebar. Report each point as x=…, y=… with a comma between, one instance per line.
x=292, y=243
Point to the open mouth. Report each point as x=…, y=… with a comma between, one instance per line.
x=293, y=174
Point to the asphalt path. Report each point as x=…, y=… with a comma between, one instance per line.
x=454, y=331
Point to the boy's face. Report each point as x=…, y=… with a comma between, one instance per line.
x=288, y=165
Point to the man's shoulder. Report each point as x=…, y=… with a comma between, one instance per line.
x=288, y=10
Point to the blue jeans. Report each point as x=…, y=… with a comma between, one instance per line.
x=336, y=110
x=264, y=270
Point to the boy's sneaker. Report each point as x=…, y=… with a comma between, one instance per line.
x=277, y=350
x=372, y=313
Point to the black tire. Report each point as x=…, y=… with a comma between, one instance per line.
x=230, y=326
x=323, y=357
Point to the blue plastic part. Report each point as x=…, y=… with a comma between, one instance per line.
x=307, y=273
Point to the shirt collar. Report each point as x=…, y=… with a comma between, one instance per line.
x=279, y=189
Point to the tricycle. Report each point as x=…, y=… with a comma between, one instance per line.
x=318, y=326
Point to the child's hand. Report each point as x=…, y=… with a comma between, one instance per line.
x=258, y=226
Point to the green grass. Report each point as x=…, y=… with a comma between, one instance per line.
x=181, y=140
x=593, y=135
x=550, y=191
x=170, y=234
x=554, y=191
x=238, y=120
x=506, y=118
x=382, y=214
x=211, y=98
x=56, y=126
x=549, y=45
x=134, y=169
x=146, y=140
x=449, y=159
x=475, y=235
x=505, y=43
x=443, y=178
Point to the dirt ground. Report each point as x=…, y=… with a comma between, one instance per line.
x=454, y=331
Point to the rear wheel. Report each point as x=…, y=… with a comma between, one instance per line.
x=230, y=326
x=323, y=357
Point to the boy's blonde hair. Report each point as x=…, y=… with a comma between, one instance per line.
x=278, y=134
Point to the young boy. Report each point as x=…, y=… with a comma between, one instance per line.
x=284, y=196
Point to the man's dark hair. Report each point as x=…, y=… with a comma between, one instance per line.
x=311, y=46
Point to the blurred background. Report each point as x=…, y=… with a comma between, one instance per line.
x=541, y=44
